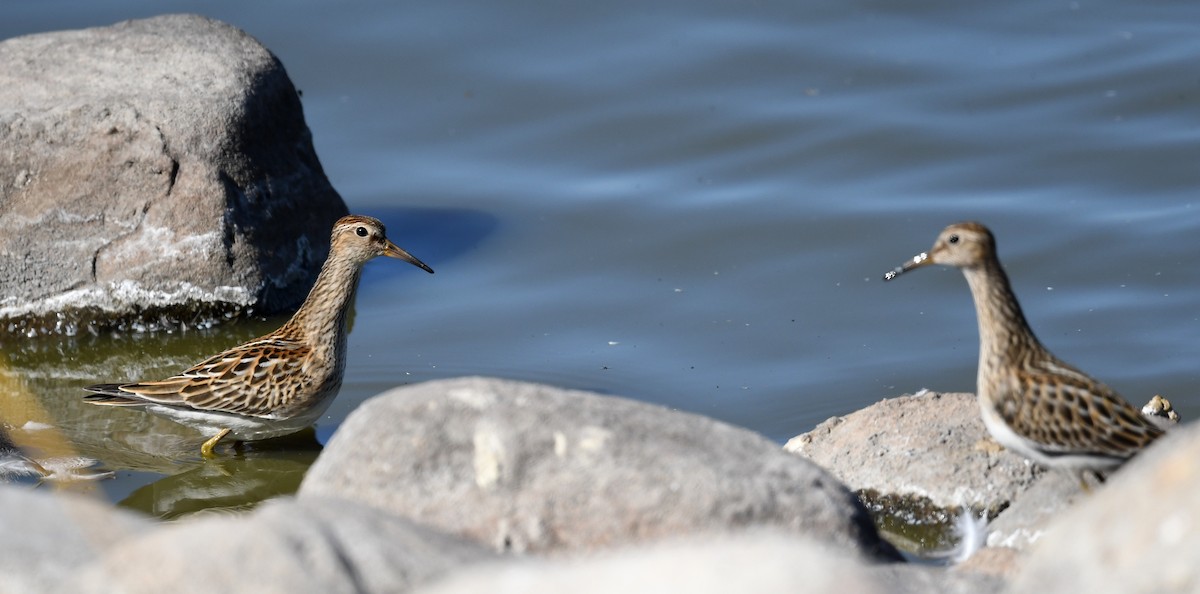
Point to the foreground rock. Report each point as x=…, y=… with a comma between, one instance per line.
x=1139, y=533
x=526, y=467
x=316, y=546
x=1024, y=522
x=929, y=452
x=624, y=496
x=918, y=460
x=46, y=536
x=758, y=561
x=155, y=171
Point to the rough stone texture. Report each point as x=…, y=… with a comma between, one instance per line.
x=317, y=546
x=760, y=562
x=932, y=447
x=923, y=579
x=153, y=169
x=998, y=562
x=46, y=535
x=1024, y=522
x=526, y=467
x=1139, y=533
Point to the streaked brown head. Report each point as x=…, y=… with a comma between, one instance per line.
x=361, y=238
x=964, y=245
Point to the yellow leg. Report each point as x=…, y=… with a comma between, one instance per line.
x=1083, y=479
x=206, y=450
x=38, y=468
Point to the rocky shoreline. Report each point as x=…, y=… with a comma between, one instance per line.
x=451, y=485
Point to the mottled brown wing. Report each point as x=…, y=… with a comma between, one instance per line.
x=254, y=379
x=1066, y=411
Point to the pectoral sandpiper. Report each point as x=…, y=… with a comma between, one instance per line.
x=1032, y=402
x=279, y=383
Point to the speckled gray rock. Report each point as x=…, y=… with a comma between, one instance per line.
x=151, y=169
x=758, y=561
x=930, y=446
x=1140, y=532
x=527, y=467
x=317, y=546
x=46, y=535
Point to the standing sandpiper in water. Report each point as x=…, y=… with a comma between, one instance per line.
x=1033, y=403
x=279, y=383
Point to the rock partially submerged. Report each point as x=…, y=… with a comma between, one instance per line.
x=920, y=460
x=927, y=453
x=527, y=467
x=157, y=171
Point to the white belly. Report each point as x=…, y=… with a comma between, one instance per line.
x=1035, y=451
x=242, y=428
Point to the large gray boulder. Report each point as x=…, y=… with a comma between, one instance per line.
x=44, y=536
x=1140, y=532
x=527, y=467
x=154, y=171
x=317, y=546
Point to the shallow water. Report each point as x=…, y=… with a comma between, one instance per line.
x=693, y=203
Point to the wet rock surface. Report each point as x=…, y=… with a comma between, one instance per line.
x=927, y=452
x=158, y=172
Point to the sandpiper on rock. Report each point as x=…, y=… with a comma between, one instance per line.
x=1032, y=402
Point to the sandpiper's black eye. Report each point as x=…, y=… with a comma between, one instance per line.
x=361, y=231
x=953, y=238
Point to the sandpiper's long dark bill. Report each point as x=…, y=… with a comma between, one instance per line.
x=392, y=250
x=1032, y=402
x=280, y=383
